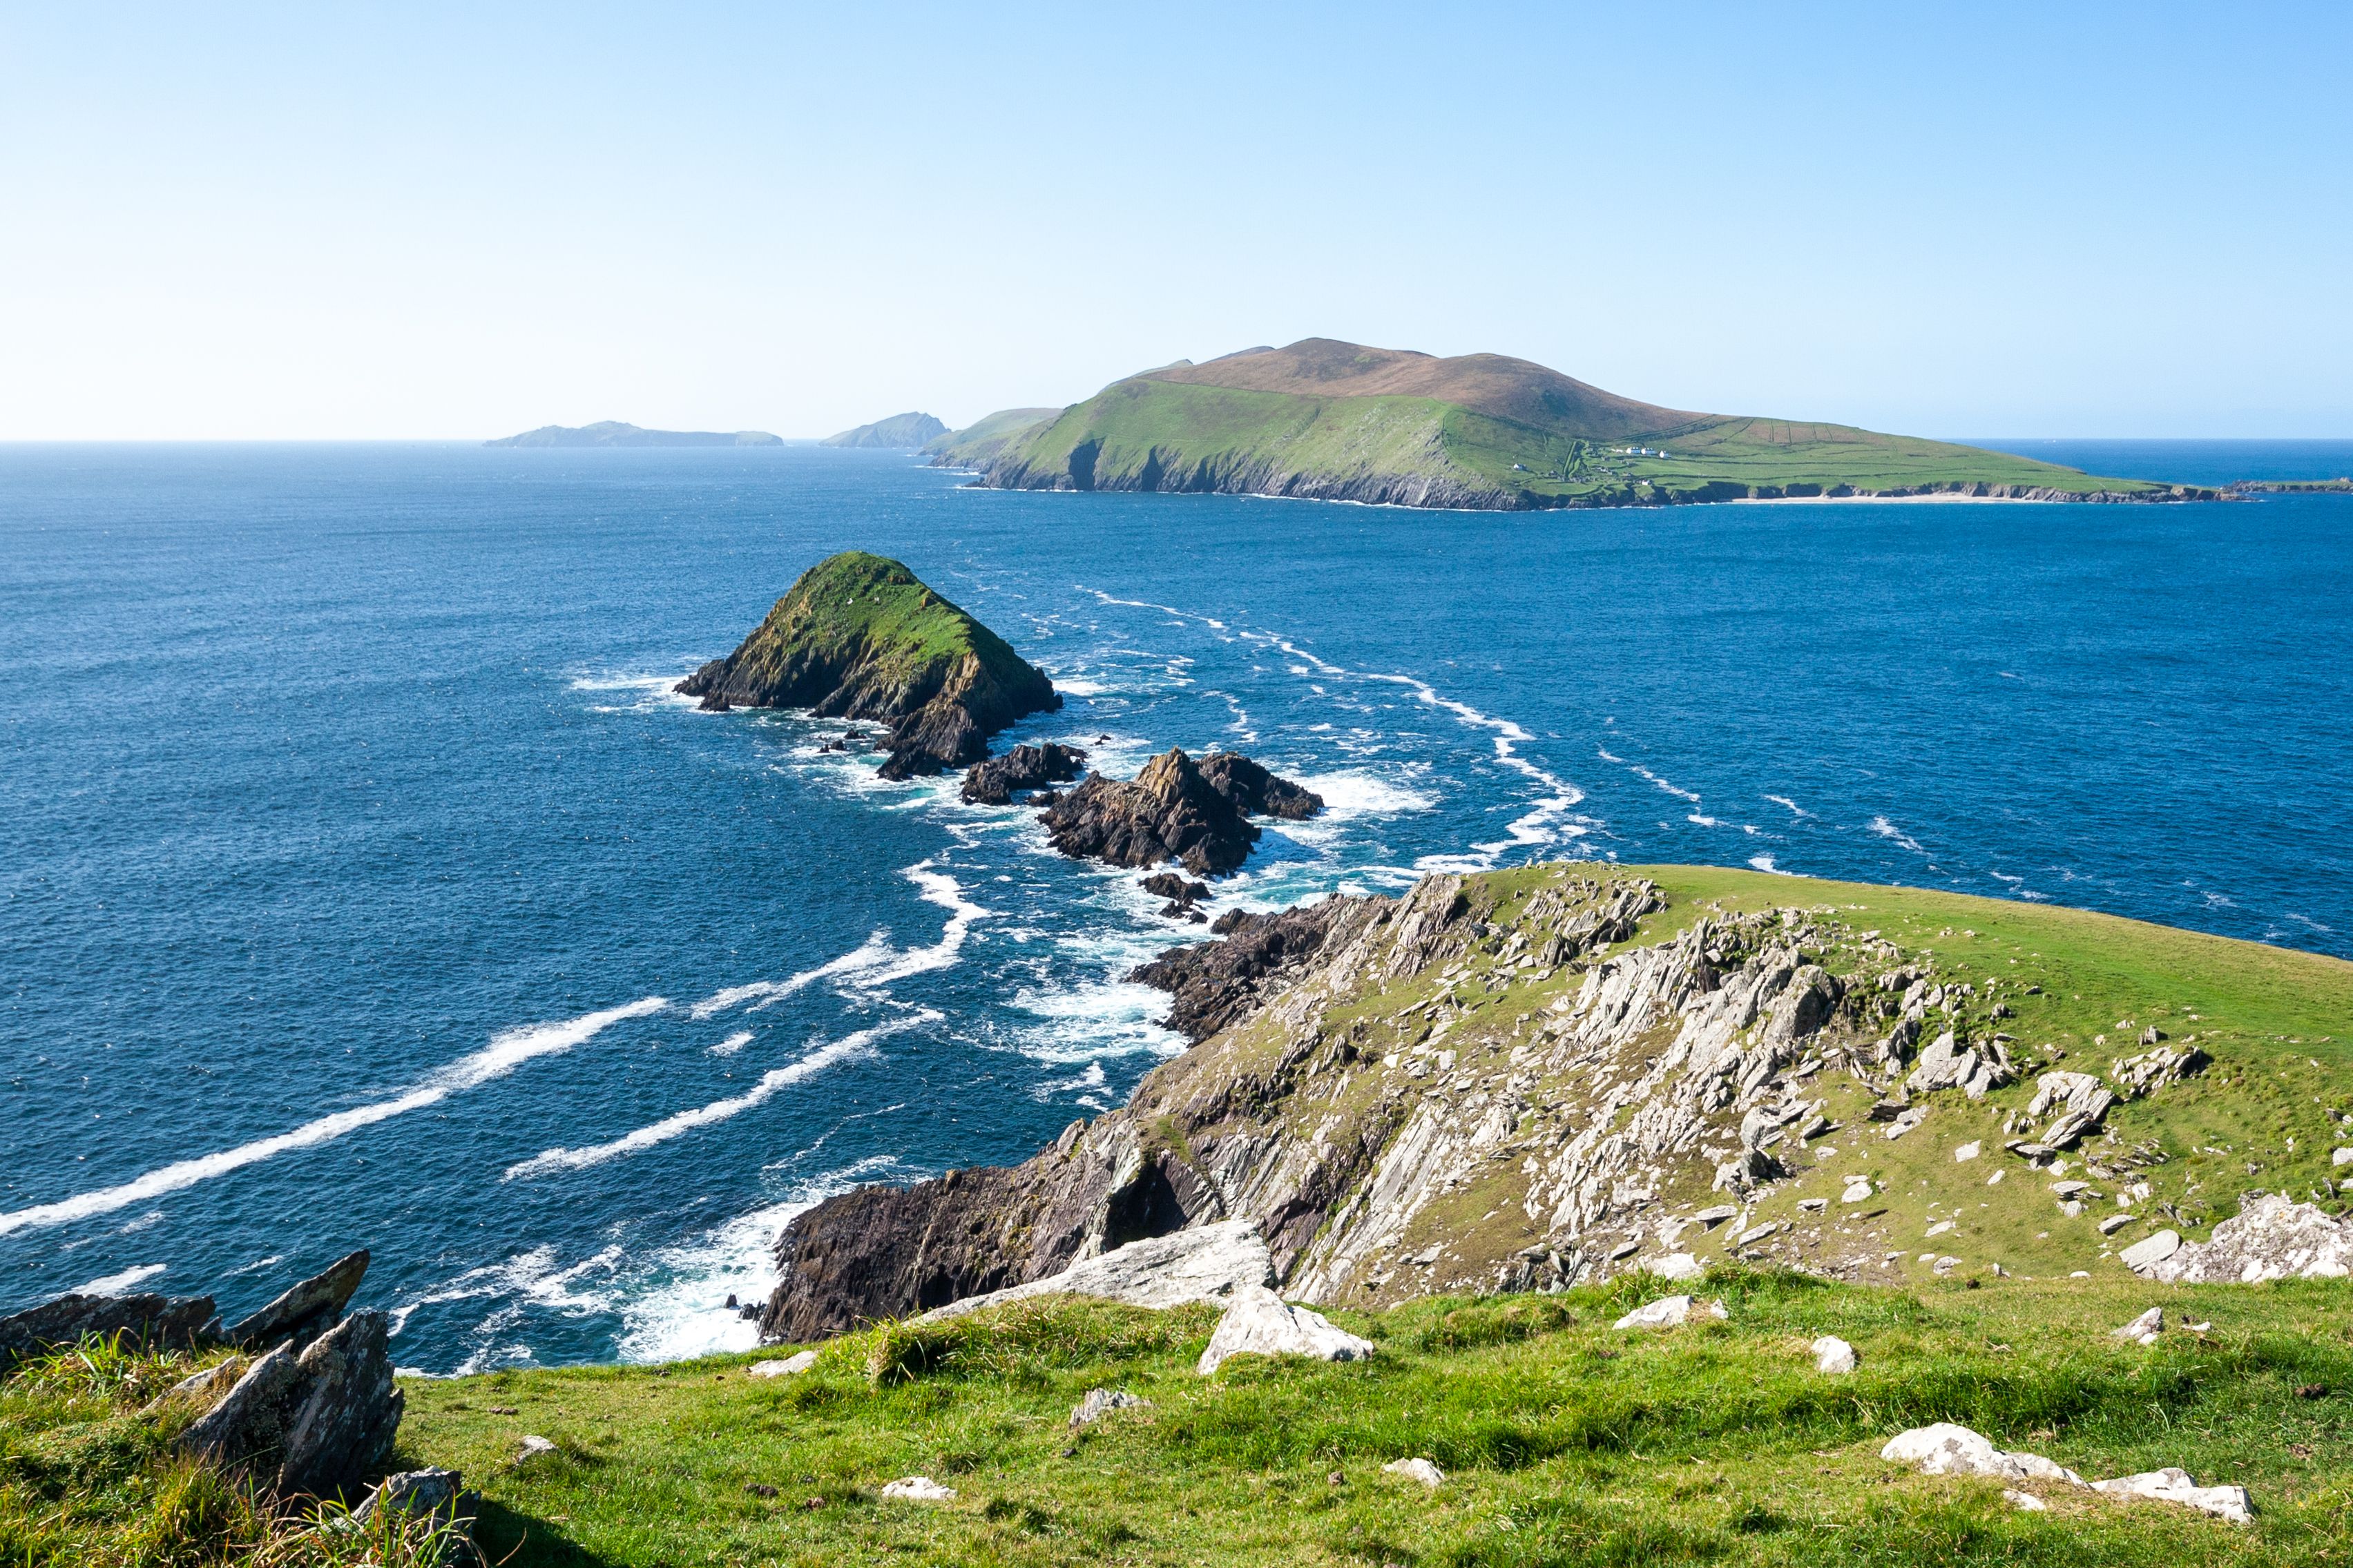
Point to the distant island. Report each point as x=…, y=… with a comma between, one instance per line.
x=613, y=433
x=1327, y=420
x=901, y=432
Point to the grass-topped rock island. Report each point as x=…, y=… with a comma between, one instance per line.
x=1327, y=420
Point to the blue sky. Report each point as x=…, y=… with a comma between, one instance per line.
x=426, y=221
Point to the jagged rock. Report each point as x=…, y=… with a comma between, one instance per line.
x=1947, y=1065
x=2079, y=1098
x=1025, y=767
x=1209, y=1263
x=1100, y=1402
x=1834, y=1355
x=317, y=1424
x=2272, y=1237
x=1177, y=890
x=2174, y=1485
x=1416, y=1469
x=1196, y=813
x=2145, y=1329
x=788, y=1367
x=1260, y=1322
x=1211, y=985
x=1255, y=791
x=918, y=1489
x=1944, y=1449
x=304, y=1312
x=149, y=1320
x=2136, y=1076
x=202, y=1388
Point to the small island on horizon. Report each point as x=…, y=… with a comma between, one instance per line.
x=613, y=432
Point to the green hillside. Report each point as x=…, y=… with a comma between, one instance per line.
x=1335, y=421
x=981, y=441
x=901, y=432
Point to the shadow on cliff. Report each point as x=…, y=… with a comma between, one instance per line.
x=523, y=1541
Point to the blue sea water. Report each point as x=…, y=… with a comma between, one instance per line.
x=362, y=883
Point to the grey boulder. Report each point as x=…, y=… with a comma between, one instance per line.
x=315, y=1425
x=2272, y=1237
x=1260, y=1322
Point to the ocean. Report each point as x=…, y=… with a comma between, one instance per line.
x=362, y=882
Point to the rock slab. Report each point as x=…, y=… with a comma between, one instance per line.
x=1260, y=1322
x=304, y=1312
x=1209, y=1263
x=2270, y=1238
x=151, y=1319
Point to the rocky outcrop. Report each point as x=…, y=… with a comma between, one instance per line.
x=858, y=636
x=305, y=1311
x=1024, y=768
x=1946, y=1450
x=1181, y=894
x=1214, y=983
x=313, y=1424
x=1196, y=813
x=2270, y=1238
x=162, y=1323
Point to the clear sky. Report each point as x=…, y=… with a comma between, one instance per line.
x=415, y=220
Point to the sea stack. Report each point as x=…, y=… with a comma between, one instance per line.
x=860, y=636
x=1196, y=813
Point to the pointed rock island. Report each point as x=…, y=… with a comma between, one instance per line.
x=860, y=636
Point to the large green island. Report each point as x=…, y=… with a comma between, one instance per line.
x=1326, y=420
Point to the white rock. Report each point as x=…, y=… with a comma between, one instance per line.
x=1100, y=1402
x=2142, y=1329
x=1206, y=1263
x=1676, y=1266
x=2174, y=1485
x=2274, y=1237
x=1421, y=1471
x=533, y=1448
x=2341, y=1157
x=1968, y=1151
x=801, y=1361
x=2025, y=1502
x=1857, y=1191
x=1669, y=1313
x=2146, y=1254
x=1260, y=1322
x=918, y=1489
x=1944, y=1449
x=1833, y=1355
x=1942, y=1225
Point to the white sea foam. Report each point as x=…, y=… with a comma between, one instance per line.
x=733, y=1043
x=1079, y=687
x=1765, y=863
x=505, y=1053
x=1886, y=829
x=646, y=691
x=1673, y=789
x=848, y=1048
x=941, y=889
x=119, y=1284
x=767, y=993
x=1354, y=792
x=1795, y=809
x=1703, y=821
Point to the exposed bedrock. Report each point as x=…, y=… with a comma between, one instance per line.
x=1195, y=813
x=1024, y=768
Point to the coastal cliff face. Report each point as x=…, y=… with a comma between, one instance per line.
x=858, y=636
x=1525, y=1080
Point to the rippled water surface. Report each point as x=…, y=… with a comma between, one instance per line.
x=362, y=884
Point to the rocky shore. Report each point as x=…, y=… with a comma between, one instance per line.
x=860, y=636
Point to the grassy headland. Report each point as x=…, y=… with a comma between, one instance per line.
x=1336, y=420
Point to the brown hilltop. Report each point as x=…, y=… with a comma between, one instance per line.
x=1495, y=384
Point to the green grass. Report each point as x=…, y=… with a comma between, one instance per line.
x=1143, y=433
x=1564, y=1442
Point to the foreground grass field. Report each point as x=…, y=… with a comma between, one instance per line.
x=1564, y=1441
